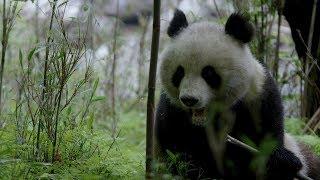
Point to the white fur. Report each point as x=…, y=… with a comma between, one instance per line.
x=203, y=44
x=203, y=94
x=291, y=144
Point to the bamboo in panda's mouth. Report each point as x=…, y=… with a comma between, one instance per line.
x=198, y=115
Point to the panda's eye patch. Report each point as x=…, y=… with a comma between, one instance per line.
x=177, y=76
x=211, y=77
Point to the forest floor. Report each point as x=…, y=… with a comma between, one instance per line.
x=94, y=154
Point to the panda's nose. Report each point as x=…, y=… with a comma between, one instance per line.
x=189, y=101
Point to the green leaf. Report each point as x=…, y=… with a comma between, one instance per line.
x=20, y=58
x=95, y=85
x=31, y=53
x=85, y=7
x=90, y=121
x=69, y=110
x=171, y=156
x=98, y=98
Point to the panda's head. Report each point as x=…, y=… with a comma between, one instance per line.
x=206, y=63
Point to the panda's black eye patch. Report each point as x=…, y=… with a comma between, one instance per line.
x=211, y=77
x=177, y=76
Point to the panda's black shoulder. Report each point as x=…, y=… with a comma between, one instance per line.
x=169, y=118
x=174, y=131
x=166, y=109
x=270, y=96
x=272, y=108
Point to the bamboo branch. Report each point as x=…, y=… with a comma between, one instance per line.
x=313, y=119
x=234, y=141
x=312, y=23
x=277, y=58
x=45, y=72
x=113, y=73
x=217, y=8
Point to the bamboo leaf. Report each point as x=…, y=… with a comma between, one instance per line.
x=20, y=58
x=31, y=53
x=98, y=98
x=95, y=86
x=90, y=121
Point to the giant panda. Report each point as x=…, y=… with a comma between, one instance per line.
x=204, y=63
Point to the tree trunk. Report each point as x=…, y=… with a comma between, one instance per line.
x=305, y=29
x=151, y=87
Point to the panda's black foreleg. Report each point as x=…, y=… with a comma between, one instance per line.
x=283, y=165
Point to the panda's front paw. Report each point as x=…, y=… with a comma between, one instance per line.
x=283, y=164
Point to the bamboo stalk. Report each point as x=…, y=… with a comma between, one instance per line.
x=151, y=86
x=4, y=47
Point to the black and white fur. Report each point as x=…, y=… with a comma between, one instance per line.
x=205, y=63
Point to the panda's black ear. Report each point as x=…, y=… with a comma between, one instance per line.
x=239, y=27
x=177, y=24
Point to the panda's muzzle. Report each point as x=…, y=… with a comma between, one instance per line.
x=198, y=114
x=189, y=101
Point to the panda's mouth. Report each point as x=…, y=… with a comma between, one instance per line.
x=199, y=116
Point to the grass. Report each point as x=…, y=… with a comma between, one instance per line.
x=295, y=127
x=84, y=154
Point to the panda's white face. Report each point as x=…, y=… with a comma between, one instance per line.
x=203, y=65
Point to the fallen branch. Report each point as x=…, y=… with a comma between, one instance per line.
x=313, y=119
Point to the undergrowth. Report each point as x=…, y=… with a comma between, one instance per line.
x=87, y=153
x=84, y=153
